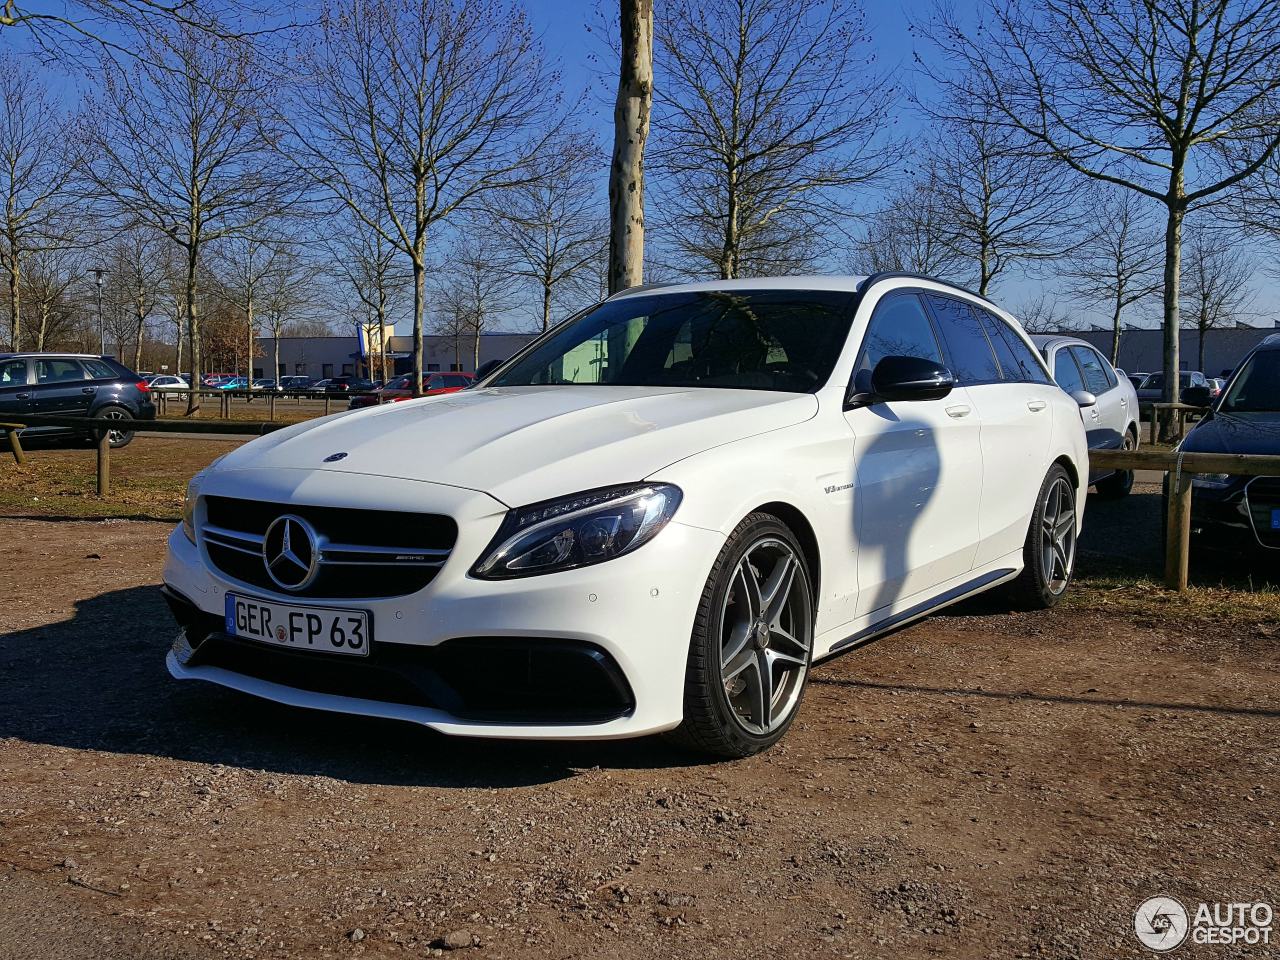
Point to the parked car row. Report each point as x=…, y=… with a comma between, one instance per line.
x=401, y=388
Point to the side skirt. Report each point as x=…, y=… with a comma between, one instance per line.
x=925, y=607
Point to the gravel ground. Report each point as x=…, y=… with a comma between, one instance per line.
x=983, y=784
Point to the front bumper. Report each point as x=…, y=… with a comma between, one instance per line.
x=1238, y=516
x=594, y=653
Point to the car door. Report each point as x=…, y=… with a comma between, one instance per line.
x=1012, y=401
x=62, y=387
x=918, y=468
x=1106, y=423
x=15, y=391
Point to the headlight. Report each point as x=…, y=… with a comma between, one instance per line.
x=189, y=508
x=577, y=531
x=1214, y=481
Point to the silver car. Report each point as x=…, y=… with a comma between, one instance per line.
x=1108, y=403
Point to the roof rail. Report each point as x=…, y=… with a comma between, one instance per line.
x=642, y=288
x=903, y=275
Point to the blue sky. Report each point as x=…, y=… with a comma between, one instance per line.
x=581, y=56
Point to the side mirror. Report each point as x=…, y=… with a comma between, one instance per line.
x=487, y=368
x=1197, y=397
x=1084, y=398
x=904, y=378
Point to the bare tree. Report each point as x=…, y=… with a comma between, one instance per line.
x=369, y=265
x=287, y=298
x=1178, y=102
x=769, y=112
x=35, y=168
x=424, y=106
x=1000, y=203
x=51, y=281
x=549, y=227
x=136, y=268
x=910, y=233
x=178, y=145
x=631, y=109
x=1215, y=284
x=1040, y=314
x=1119, y=264
x=247, y=263
x=474, y=289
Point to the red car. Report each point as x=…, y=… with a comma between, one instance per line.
x=400, y=388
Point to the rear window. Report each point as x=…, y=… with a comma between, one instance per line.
x=100, y=370
x=1017, y=361
x=1095, y=372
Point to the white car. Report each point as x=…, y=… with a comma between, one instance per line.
x=656, y=517
x=166, y=381
x=1107, y=399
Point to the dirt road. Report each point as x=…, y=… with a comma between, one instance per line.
x=980, y=785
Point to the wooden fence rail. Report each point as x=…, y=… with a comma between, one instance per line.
x=1181, y=467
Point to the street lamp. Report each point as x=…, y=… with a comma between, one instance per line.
x=98, y=273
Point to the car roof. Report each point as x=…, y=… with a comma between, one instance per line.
x=56, y=356
x=1044, y=340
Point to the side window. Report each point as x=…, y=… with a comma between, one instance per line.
x=972, y=360
x=1014, y=350
x=58, y=371
x=898, y=328
x=13, y=373
x=1095, y=377
x=99, y=370
x=435, y=382
x=455, y=381
x=1066, y=373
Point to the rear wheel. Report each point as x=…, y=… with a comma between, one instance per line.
x=118, y=434
x=752, y=643
x=1049, y=553
x=1121, y=482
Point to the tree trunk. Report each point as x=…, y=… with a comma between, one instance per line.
x=419, y=296
x=1204, y=332
x=1172, y=318
x=475, y=351
x=630, y=131
x=137, y=343
x=729, y=253
x=546, y=305
x=177, y=351
x=248, y=313
x=382, y=336
x=193, y=332
x=43, y=328
x=275, y=360
x=1115, y=333
x=15, y=301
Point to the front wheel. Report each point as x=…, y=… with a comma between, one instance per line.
x=1049, y=553
x=752, y=643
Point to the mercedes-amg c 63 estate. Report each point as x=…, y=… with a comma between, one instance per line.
x=656, y=517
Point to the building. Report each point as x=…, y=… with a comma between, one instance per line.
x=1142, y=351
x=334, y=356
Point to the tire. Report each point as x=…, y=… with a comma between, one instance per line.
x=1048, y=565
x=1121, y=482
x=741, y=632
x=119, y=438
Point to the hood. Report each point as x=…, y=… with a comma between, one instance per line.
x=526, y=444
x=1235, y=433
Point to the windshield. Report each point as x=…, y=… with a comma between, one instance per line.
x=785, y=340
x=1257, y=385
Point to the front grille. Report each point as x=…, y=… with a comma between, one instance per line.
x=363, y=553
x=1263, y=496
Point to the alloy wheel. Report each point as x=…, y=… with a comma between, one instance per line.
x=115, y=435
x=766, y=633
x=1058, y=534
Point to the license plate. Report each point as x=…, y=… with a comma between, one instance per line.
x=1275, y=519
x=319, y=629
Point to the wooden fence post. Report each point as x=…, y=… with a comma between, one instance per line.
x=104, y=463
x=327, y=399
x=1178, y=531
x=15, y=445
x=271, y=406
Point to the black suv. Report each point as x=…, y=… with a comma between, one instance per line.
x=73, y=385
x=1230, y=511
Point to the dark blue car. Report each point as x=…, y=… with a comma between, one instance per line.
x=73, y=385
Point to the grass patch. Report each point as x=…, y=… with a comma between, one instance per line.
x=1239, y=603
x=148, y=479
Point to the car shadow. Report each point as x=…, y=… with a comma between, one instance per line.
x=97, y=681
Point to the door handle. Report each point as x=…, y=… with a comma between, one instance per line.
x=1035, y=406
x=22, y=396
x=956, y=411
x=88, y=389
x=1124, y=401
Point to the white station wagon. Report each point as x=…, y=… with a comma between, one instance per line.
x=656, y=517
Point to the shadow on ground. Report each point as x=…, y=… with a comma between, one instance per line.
x=98, y=682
